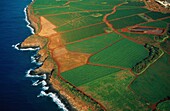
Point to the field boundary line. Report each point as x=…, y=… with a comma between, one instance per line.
x=108, y=66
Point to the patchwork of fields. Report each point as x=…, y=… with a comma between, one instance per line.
x=124, y=53
x=154, y=79
x=94, y=28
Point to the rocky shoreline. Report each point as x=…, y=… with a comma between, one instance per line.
x=47, y=66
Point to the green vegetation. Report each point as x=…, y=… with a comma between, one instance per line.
x=93, y=45
x=90, y=6
x=167, y=20
x=159, y=24
x=128, y=21
x=157, y=15
x=107, y=77
x=166, y=45
x=141, y=36
x=164, y=106
x=113, y=92
x=62, y=18
x=42, y=3
x=87, y=73
x=84, y=32
x=154, y=79
x=154, y=54
x=126, y=12
x=68, y=87
x=124, y=53
x=84, y=20
x=161, y=38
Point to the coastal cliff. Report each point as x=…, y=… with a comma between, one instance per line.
x=44, y=38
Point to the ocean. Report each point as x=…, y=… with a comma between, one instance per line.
x=17, y=91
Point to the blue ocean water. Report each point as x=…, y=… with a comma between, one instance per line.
x=16, y=91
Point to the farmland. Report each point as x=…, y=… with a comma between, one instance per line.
x=120, y=54
x=95, y=55
x=93, y=45
x=125, y=12
x=87, y=73
x=159, y=24
x=148, y=37
x=157, y=15
x=155, y=79
x=128, y=21
x=113, y=92
x=75, y=35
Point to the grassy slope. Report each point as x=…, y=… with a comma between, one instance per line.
x=113, y=92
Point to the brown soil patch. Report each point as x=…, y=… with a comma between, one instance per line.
x=70, y=60
x=46, y=27
x=65, y=59
x=55, y=41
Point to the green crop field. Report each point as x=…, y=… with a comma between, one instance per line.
x=127, y=12
x=103, y=2
x=127, y=21
x=132, y=4
x=158, y=24
x=90, y=6
x=93, y=45
x=113, y=92
x=62, y=19
x=87, y=73
x=54, y=10
x=82, y=33
x=157, y=15
x=47, y=3
x=149, y=37
x=167, y=20
x=86, y=19
x=154, y=83
x=124, y=53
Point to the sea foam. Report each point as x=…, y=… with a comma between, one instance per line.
x=24, y=49
x=36, y=76
x=33, y=60
x=54, y=98
x=43, y=83
x=28, y=23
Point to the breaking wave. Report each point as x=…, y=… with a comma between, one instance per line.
x=28, y=23
x=28, y=74
x=33, y=60
x=54, y=98
x=24, y=49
